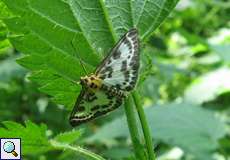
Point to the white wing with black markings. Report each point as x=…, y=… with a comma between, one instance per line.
x=118, y=73
x=120, y=67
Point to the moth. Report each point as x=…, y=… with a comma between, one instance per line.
x=105, y=89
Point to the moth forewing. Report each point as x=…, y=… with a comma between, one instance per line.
x=116, y=75
x=120, y=67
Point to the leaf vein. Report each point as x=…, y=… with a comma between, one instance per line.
x=51, y=20
x=154, y=22
x=108, y=20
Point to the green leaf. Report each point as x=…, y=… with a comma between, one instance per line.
x=68, y=137
x=183, y=125
x=33, y=137
x=175, y=124
x=4, y=12
x=45, y=31
x=225, y=146
x=208, y=86
x=118, y=153
x=77, y=149
x=4, y=46
x=4, y=42
x=148, y=15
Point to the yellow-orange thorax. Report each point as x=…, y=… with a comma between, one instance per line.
x=93, y=82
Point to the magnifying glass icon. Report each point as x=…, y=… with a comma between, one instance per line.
x=9, y=147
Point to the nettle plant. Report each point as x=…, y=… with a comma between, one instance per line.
x=62, y=38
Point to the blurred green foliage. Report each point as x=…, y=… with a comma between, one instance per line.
x=185, y=84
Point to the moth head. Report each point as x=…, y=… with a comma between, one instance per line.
x=92, y=82
x=85, y=81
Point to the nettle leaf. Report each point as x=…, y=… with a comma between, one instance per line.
x=68, y=137
x=45, y=31
x=33, y=137
x=35, y=140
x=187, y=126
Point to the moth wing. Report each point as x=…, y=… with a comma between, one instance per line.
x=120, y=67
x=90, y=105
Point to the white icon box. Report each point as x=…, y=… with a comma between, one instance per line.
x=10, y=149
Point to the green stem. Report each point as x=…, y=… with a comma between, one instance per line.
x=133, y=128
x=77, y=149
x=144, y=124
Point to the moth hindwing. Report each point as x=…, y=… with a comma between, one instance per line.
x=105, y=90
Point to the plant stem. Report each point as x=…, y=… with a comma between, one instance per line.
x=133, y=129
x=144, y=124
x=78, y=149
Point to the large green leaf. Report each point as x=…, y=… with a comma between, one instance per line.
x=190, y=127
x=44, y=30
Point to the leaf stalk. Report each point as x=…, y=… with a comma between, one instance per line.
x=133, y=129
x=144, y=124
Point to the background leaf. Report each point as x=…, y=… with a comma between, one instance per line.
x=175, y=124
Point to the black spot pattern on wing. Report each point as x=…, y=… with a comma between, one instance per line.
x=117, y=54
x=114, y=100
x=96, y=107
x=124, y=66
x=120, y=67
x=134, y=64
x=106, y=72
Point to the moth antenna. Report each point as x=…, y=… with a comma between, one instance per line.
x=79, y=58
